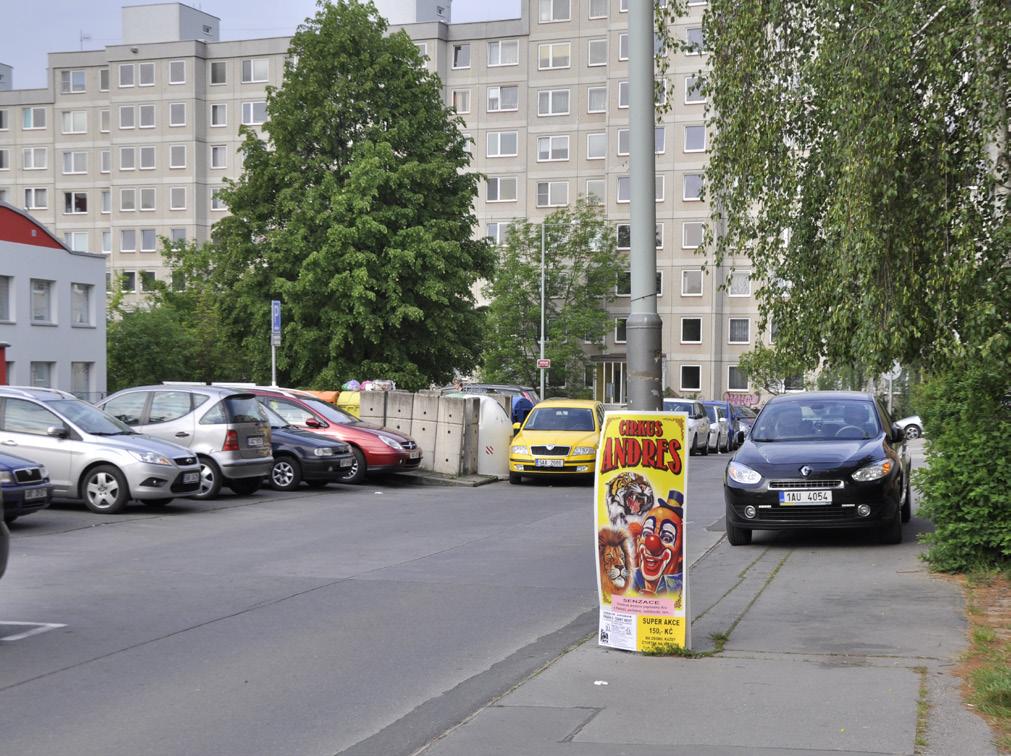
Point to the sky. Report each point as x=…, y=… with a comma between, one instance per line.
x=31, y=30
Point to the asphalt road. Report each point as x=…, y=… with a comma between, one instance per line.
x=361, y=619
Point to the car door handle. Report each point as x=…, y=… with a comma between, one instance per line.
x=182, y=434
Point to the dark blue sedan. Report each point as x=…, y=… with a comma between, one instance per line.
x=25, y=486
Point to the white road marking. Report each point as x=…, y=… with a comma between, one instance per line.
x=37, y=628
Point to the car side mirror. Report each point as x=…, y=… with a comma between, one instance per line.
x=516, y=427
x=312, y=422
x=898, y=434
x=57, y=431
x=740, y=437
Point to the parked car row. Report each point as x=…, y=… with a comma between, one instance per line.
x=154, y=443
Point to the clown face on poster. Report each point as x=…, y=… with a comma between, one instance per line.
x=642, y=577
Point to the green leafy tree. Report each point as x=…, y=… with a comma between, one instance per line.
x=581, y=268
x=355, y=210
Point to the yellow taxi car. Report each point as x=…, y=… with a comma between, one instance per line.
x=558, y=437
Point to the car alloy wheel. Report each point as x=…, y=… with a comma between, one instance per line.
x=913, y=432
x=210, y=480
x=355, y=473
x=105, y=490
x=285, y=474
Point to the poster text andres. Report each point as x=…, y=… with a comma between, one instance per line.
x=639, y=519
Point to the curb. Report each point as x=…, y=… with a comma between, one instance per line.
x=428, y=478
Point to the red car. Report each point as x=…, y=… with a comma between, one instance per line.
x=375, y=449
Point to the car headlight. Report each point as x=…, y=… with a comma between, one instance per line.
x=323, y=451
x=6, y=477
x=519, y=449
x=581, y=450
x=873, y=472
x=43, y=471
x=149, y=457
x=391, y=442
x=742, y=474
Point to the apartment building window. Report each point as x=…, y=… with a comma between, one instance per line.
x=502, y=144
x=695, y=40
x=3, y=120
x=217, y=202
x=554, y=10
x=146, y=74
x=624, y=189
x=127, y=158
x=128, y=281
x=740, y=284
x=5, y=160
x=659, y=185
x=219, y=156
x=503, y=98
x=596, y=50
x=598, y=8
x=422, y=49
x=691, y=283
x=105, y=201
x=623, y=46
x=622, y=94
x=126, y=73
x=554, y=55
x=147, y=158
x=148, y=240
x=75, y=203
x=127, y=200
x=146, y=120
x=736, y=379
x=71, y=82
x=76, y=240
x=42, y=301
x=80, y=304
x=551, y=148
x=177, y=235
x=691, y=330
x=695, y=138
x=596, y=99
x=80, y=379
x=623, y=6
x=147, y=199
x=254, y=113
x=461, y=55
x=104, y=121
x=177, y=114
x=596, y=146
x=33, y=118
x=42, y=374
x=659, y=140
x=693, y=91
x=147, y=280
x=177, y=198
x=623, y=288
x=75, y=121
x=35, y=158
x=103, y=80
x=5, y=300
x=692, y=187
x=740, y=330
x=177, y=156
x=620, y=330
x=177, y=72
x=255, y=70
x=219, y=114
x=691, y=377
x=691, y=234
x=496, y=233
x=596, y=191
x=553, y=102
x=36, y=198
x=127, y=116
x=128, y=243
x=107, y=242
x=501, y=189
x=219, y=72
x=624, y=234
x=104, y=161
x=504, y=52
x=461, y=100
x=552, y=193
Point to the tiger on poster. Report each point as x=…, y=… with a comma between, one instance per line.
x=640, y=485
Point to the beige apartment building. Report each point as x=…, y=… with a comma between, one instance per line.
x=129, y=143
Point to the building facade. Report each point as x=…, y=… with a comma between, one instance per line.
x=52, y=309
x=129, y=143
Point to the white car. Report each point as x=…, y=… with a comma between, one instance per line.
x=912, y=426
x=719, y=428
x=697, y=431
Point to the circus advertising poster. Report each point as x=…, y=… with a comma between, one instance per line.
x=642, y=575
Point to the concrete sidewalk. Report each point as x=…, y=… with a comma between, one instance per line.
x=830, y=644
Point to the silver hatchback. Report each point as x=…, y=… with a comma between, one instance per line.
x=224, y=427
x=90, y=455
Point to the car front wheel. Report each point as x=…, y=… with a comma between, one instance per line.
x=105, y=490
x=913, y=432
x=738, y=536
x=285, y=475
x=355, y=473
x=210, y=480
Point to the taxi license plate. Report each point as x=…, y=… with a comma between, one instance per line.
x=791, y=498
x=35, y=493
x=415, y=454
x=548, y=462
x=255, y=440
x=192, y=477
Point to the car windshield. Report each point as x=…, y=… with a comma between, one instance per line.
x=560, y=419
x=330, y=412
x=817, y=420
x=672, y=406
x=90, y=419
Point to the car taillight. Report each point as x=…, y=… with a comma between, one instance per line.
x=231, y=441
